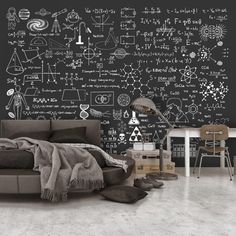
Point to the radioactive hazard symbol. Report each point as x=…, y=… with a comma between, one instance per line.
x=136, y=135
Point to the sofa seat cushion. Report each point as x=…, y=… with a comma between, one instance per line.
x=16, y=159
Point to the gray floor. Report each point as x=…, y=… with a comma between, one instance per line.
x=187, y=206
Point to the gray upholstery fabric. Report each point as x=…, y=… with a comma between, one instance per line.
x=11, y=127
x=28, y=181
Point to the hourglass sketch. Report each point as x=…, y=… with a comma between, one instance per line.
x=84, y=114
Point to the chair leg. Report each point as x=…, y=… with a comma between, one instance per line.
x=231, y=167
x=199, y=168
x=195, y=164
x=228, y=165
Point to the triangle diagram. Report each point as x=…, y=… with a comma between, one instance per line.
x=136, y=135
x=54, y=45
x=14, y=66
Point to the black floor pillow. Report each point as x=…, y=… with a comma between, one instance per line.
x=123, y=194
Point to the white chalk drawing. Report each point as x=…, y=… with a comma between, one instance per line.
x=174, y=111
x=101, y=21
x=99, y=114
x=17, y=101
x=87, y=30
x=212, y=32
x=55, y=45
x=122, y=139
x=49, y=74
x=70, y=78
x=188, y=74
x=127, y=39
x=88, y=62
x=128, y=25
x=31, y=54
x=193, y=109
x=38, y=41
x=31, y=91
x=120, y=53
x=134, y=120
x=205, y=53
x=12, y=18
x=14, y=66
x=74, y=95
x=127, y=12
x=56, y=28
x=37, y=25
x=109, y=43
x=73, y=17
x=24, y=14
x=42, y=12
x=209, y=89
x=84, y=114
x=123, y=99
x=117, y=114
x=102, y=98
x=136, y=135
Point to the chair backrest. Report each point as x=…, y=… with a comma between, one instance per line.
x=214, y=132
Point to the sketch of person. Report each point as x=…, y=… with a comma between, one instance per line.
x=12, y=18
x=174, y=111
x=17, y=99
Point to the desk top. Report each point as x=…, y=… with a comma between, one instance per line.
x=194, y=132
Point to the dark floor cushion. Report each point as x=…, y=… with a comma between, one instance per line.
x=123, y=194
x=99, y=157
x=40, y=135
x=16, y=159
x=74, y=135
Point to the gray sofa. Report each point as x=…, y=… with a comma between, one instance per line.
x=27, y=180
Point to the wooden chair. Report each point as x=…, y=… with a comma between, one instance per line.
x=213, y=135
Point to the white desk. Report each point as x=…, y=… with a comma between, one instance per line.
x=188, y=133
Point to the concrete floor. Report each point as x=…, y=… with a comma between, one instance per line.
x=187, y=206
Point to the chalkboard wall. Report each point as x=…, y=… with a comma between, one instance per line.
x=89, y=60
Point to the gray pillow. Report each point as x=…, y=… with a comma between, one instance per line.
x=16, y=159
x=123, y=194
x=40, y=135
x=72, y=135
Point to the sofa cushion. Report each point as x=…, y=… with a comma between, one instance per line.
x=16, y=159
x=123, y=194
x=74, y=135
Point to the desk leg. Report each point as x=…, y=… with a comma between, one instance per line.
x=222, y=154
x=187, y=153
x=168, y=143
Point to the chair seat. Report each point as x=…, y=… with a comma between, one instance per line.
x=211, y=149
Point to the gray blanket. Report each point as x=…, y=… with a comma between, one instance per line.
x=61, y=167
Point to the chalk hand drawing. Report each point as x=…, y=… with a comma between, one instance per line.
x=14, y=66
x=188, y=74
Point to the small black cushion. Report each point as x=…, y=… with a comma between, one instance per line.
x=16, y=159
x=123, y=194
x=74, y=135
x=99, y=157
x=40, y=135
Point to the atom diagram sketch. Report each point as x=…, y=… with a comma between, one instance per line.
x=217, y=93
x=205, y=54
x=188, y=74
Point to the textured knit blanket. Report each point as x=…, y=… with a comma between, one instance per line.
x=62, y=166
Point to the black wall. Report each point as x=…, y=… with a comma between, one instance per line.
x=178, y=54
